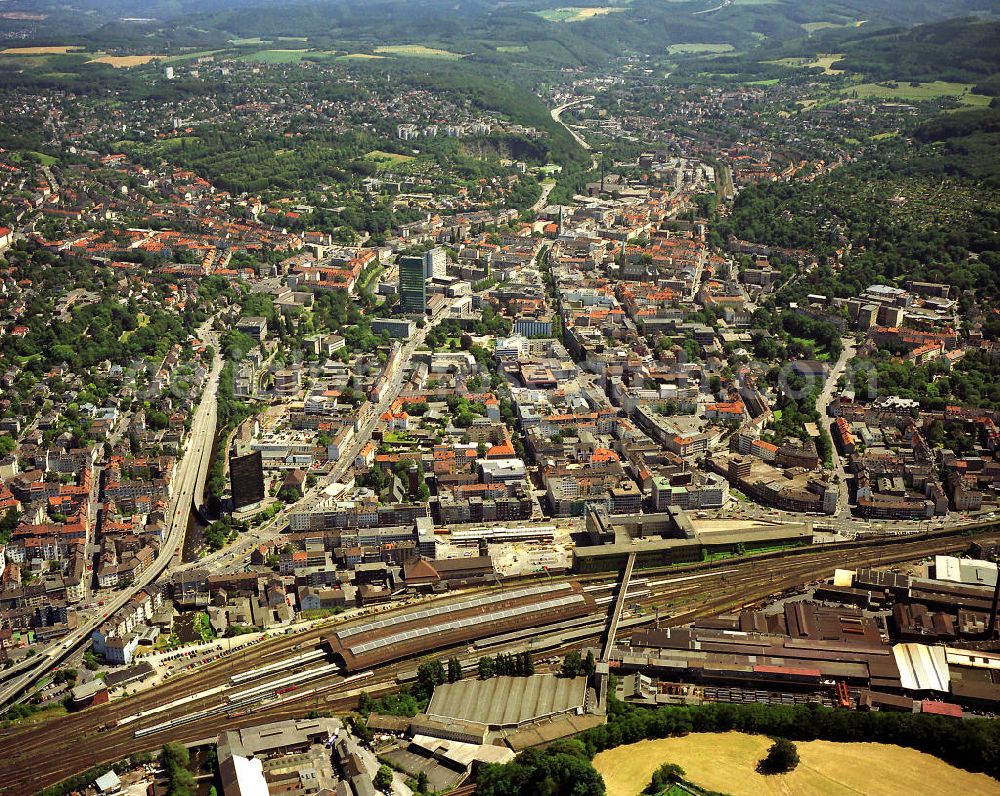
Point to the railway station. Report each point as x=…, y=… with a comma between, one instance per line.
x=406, y=635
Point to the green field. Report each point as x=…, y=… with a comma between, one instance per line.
x=385, y=160
x=512, y=48
x=418, y=51
x=277, y=56
x=52, y=57
x=41, y=157
x=172, y=59
x=159, y=147
x=699, y=47
x=142, y=320
x=922, y=92
x=813, y=27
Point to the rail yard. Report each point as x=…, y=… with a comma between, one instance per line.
x=291, y=675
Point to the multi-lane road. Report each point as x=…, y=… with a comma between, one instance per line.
x=239, y=553
x=557, y=113
x=850, y=349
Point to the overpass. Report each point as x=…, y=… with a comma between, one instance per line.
x=614, y=619
x=616, y=612
x=240, y=550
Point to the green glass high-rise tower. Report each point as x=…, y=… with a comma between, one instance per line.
x=412, y=285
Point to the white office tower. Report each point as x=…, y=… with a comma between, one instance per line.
x=435, y=263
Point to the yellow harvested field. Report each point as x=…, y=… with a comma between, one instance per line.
x=60, y=50
x=123, y=61
x=587, y=13
x=826, y=61
x=417, y=51
x=576, y=13
x=823, y=61
x=727, y=762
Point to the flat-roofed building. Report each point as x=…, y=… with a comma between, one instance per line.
x=246, y=474
x=402, y=328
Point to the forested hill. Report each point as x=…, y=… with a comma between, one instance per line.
x=959, y=50
x=555, y=32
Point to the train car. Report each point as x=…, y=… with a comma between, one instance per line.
x=265, y=689
x=277, y=667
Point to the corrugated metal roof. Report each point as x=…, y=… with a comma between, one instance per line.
x=508, y=701
x=922, y=668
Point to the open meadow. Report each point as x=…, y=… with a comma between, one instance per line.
x=907, y=92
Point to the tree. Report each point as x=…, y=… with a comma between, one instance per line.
x=174, y=754
x=527, y=664
x=359, y=728
x=562, y=769
x=782, y=757
x=666, y=775
x=429, y=675
x=572, y=664
x=383, y=778
x=175, y=759
x=589, y=664
x=454, y=670
x=8, y=523
x=486, y=669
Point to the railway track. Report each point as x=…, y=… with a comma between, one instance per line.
x=46, y=753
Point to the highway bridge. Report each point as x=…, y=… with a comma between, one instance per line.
x=189, y=480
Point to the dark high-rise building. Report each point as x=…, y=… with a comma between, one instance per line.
x=412, y=286
x=246, y=474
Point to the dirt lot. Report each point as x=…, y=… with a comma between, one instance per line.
x=727, y=762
